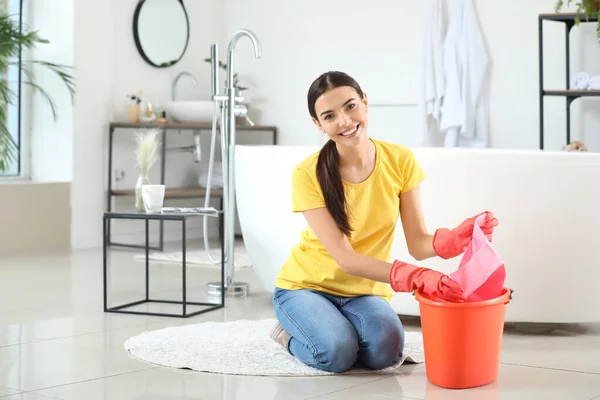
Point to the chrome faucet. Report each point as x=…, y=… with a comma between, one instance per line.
x=238, y=109
x=231, y=48
x=176, y=80
x=230, y=107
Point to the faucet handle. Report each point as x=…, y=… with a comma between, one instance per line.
x=214, y=70
x=248, y=119
x=220, y=97
x=242, y=111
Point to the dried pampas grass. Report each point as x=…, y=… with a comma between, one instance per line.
x=146, y=149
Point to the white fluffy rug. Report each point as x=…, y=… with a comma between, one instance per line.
x=237, y=348
x=199, y=258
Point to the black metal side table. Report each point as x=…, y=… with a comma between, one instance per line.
x=164, y=216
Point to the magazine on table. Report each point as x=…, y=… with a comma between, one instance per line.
x=190, y=210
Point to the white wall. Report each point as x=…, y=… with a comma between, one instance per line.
x=95, y=35
x=379, y=43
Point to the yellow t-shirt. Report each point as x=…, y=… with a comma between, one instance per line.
x=374, y=209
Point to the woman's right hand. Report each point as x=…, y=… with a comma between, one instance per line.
x=436, y=285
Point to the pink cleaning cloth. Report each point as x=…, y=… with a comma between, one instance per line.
x=481, y=271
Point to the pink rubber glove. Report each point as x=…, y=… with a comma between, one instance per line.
x=407, y=278
x=449, y=243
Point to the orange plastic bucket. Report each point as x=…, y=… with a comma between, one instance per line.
x=462, y=341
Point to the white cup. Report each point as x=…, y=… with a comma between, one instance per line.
x=154, y=197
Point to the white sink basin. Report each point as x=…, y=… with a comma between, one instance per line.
x=190, y=111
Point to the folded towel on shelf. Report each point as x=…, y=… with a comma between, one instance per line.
x=581, y=81
x=216, y=180
x=214, y=184
x=594, y=83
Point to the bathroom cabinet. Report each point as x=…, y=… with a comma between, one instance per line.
x=170, y=192
x=568, y=19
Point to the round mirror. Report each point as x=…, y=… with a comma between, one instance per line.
x=161, y=30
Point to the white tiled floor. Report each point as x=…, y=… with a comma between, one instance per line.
x=57, y=343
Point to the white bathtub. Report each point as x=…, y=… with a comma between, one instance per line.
x=547, y=204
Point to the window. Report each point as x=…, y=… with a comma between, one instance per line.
x=11, y=158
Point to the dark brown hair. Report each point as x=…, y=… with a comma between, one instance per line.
x=328, y=166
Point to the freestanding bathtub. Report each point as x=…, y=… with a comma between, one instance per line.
x=547, y=203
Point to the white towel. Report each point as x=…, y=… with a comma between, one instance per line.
x=594, y=83
x=466, y=69
x=432, y=74
x=216, y=180
x=581, y=80
x=214, y=183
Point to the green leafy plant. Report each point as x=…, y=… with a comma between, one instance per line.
x=588, y=8
x=235, y=76
x=13, y=39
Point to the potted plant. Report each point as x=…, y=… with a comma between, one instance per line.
x=236, y=84
x=588, y=8
x=14, y=38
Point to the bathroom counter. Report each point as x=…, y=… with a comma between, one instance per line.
x=170, y=192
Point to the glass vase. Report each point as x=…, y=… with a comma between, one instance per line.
x=139, y=201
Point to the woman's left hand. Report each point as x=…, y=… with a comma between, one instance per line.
x=449, y=243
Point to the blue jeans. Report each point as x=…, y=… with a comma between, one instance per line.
x=333, y=333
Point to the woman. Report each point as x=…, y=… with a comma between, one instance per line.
x=332, y=295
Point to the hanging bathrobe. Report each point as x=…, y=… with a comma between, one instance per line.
x=432, y=75
x=466, y=64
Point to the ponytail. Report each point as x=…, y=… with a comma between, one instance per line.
x=330, y=179
x=328, y=164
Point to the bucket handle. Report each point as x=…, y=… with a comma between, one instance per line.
x=510, y=296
